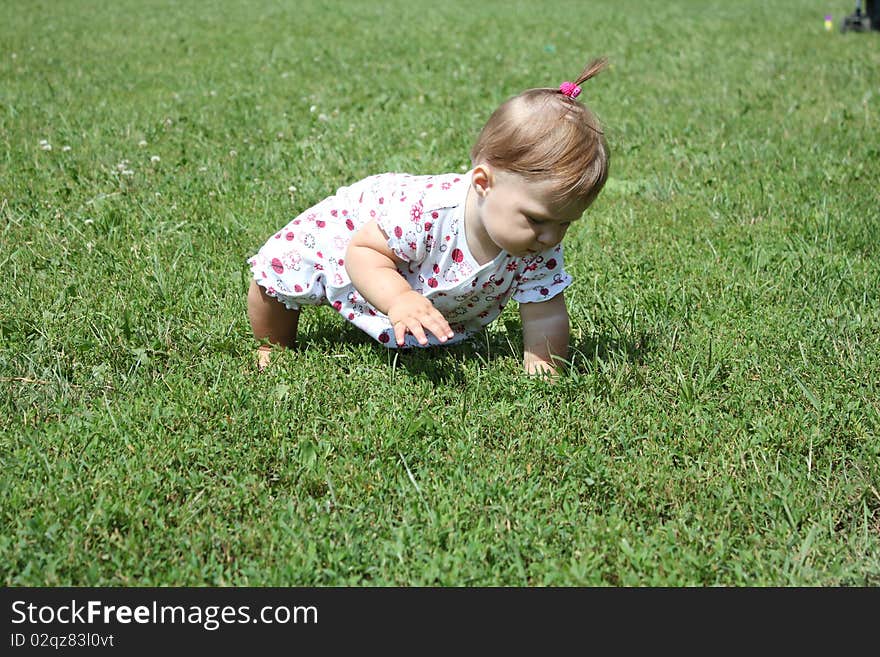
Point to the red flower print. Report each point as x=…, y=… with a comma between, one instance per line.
x=320, y=223
x=457, y=255
x=550, y=264
x=415, y=212
x=337, y=305
x=446, y=185
x=511, y=266
x=289, y=236
x=297, y=288
x=544, y=291
x=428, y=226
x=349, y=224
x=319, y=254
x=340, y=262
x=384, y=338
x=398, y=231
x=412, y=245
x=334, y=213
x=436, y=268
x=381, y=200
x=350, y=316
x=456, y=179
x=432, y=282
x=277, y=266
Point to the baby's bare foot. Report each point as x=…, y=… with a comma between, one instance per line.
x=264, y=355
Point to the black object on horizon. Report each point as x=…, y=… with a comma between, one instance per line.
x=863, y=21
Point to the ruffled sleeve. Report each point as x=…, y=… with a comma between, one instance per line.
x=544, y=277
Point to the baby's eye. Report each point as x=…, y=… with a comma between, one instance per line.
x=536, y=222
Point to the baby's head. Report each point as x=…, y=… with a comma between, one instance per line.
x=545, y=134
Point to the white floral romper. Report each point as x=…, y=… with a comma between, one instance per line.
x=423, y=218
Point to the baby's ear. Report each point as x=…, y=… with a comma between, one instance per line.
x=482, y=179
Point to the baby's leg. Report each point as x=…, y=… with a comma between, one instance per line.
x=271, y=320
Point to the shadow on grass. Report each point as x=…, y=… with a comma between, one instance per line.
x=448, y=365
x=605, y=348
x=440, y=365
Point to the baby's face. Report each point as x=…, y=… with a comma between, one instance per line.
x=523, y=217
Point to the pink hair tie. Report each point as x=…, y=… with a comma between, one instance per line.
x=569, y=89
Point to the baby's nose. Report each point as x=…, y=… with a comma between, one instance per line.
x=549, y=237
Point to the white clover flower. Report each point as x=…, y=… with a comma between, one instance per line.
x=291, y=189
x=313, y=108
x=142, y=143
x=127, y=172
x=45, y=145
x=65, y=148
x=233, y=153
x=155, y=158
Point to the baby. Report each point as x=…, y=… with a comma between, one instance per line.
x=426, y=260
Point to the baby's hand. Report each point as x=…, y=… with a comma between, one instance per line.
x=411, y=311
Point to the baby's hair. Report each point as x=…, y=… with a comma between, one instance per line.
x=545, y=134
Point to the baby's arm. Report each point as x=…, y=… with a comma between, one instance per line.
x=545, y=334
x=372, y=267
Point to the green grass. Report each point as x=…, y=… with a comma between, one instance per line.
x=719, y=425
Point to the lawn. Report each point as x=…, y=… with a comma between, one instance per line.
x=719, y=421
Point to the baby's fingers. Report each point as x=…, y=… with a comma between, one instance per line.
x=418, y=331
x=437, y=324
x=413, y=326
